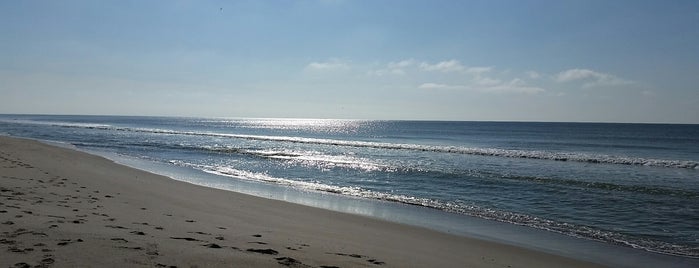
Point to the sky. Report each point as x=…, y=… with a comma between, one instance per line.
x=574, y=61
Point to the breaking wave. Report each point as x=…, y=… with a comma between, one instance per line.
x=494, y=152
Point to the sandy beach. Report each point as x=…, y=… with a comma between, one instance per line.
x=65, y=208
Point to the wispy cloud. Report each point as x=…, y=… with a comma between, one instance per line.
x=477, y=70
x=394, y=68
x=442, y=75
x=480, y=79
x=494, y=86
x=513, y=86
x=449, y=66
x=443, y=66
x=333, y=64
x=437, y=86
x=590, y=78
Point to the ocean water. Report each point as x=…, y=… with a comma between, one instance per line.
x=633, y=185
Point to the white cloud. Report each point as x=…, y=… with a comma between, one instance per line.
x=443, y=66
x=404, y=66
x=436, y=86
x=479, y=79
x=591, y=78
x=444, y=75
x=577, y=74
x=513, y=86
x=330, y=65
x=394, y=68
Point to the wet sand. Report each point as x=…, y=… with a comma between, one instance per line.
x=64, y=208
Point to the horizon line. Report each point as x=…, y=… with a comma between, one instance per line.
x=350, y=119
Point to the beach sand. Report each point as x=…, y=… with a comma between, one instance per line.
x=65, y=208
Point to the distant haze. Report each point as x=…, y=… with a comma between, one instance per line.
x=587, y=60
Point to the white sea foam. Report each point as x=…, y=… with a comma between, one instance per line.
x=316, y=186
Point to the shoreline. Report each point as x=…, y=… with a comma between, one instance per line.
x=71, y=208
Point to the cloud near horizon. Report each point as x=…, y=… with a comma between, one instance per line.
x=443, y=66
x=513, y=86
x=448, y=66
x=436, y=86
x=332, y=64
x=481, y=79
x=453, y=75
x=590, y=78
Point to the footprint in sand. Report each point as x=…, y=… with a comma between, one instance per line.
x=185, y=238
x=372, y=261
x=267, y=251
x=65, y=242
x=134, y=248
x=212, y=245
x=115, y=227
x=300, y=247
x=46, y=262
x=201, y=233
x=288, y=261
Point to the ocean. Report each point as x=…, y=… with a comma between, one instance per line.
x=631, y=185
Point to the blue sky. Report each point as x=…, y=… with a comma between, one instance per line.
x=608, y=61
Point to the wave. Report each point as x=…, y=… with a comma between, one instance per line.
x=466, y=209
x=494, y=152
x=325, y=161
x=311, y=158
x=606, y=186
x=322, y=161
x=58, y=123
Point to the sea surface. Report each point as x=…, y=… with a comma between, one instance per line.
x=634, y=185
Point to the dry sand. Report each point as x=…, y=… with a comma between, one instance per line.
x=64, y=208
